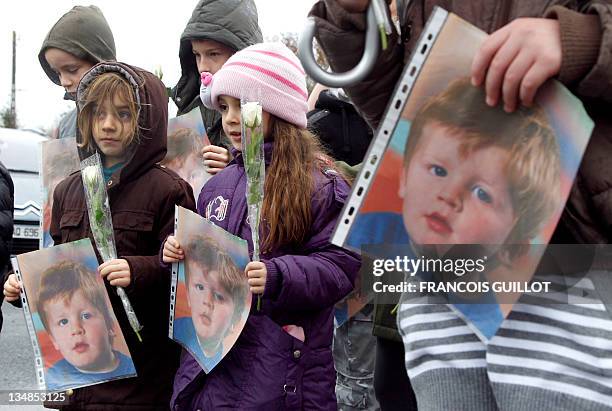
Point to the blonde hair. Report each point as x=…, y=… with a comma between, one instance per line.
x=534, y=165
x=104, y=88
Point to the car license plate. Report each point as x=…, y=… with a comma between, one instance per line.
x=25, y=231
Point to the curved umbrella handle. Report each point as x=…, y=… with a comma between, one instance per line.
x=348, y=78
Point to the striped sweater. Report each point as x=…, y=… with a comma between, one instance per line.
x=545, y=355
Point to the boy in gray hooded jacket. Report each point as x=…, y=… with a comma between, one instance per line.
x=80, y=39
x=216, y=30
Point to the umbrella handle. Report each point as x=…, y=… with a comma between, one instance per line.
x=348, y=78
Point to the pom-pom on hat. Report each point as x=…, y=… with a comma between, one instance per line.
x=268, y=72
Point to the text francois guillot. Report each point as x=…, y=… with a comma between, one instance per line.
x=458, y=267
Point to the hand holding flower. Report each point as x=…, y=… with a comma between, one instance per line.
x=257, y=273
x=117, y=272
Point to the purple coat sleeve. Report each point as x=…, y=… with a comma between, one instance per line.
x=324, y=273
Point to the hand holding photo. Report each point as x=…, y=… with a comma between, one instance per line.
x=452, y=176
x=212, y=299
x=71, y=318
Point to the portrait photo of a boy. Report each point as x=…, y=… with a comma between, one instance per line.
x=73, y=309
x=216, y=294
x=186, y=139
x=458, y=171
x=212, y=298
x=455, y=177
x=77, y=331
x=59, y=159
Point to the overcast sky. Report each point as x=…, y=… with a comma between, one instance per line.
x=146, y=34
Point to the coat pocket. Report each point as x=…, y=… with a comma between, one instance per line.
x=282, y=356
x=72, y=225
x=134, y=232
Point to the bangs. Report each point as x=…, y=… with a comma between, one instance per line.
x=105, y=89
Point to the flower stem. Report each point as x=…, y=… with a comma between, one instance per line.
x=383, y=37
x=394, y=310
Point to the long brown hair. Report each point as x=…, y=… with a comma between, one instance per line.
x=104, y=88
x=289, y=185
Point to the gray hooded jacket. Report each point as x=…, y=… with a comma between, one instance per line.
x=230, y=22
x=84, y=33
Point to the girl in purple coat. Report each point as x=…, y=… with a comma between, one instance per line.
x=301, y=275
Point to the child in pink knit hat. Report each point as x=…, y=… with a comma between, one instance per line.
x=301, y=275
x=268, y=69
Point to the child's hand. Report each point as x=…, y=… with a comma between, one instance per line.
x=257, y=273
x=172, y=251
x=215, y=158
x=517, y=59
x=117, y=272
x=12, y=288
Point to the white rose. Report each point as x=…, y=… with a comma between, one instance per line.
x=91, y=175
x=251, y=114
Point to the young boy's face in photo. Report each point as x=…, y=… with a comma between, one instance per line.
x=191, y=170
x=112, y=129
x=451, y=197
x=212, y=306
x=78, y=330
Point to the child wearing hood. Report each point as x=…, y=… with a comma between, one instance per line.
x=301, y=275
x=123, y=116
x=215, y=31
x=80, y=39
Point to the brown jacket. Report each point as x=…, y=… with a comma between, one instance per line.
x=586, y=69
x=142, y=197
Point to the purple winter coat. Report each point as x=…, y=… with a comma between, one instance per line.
x=267, y=368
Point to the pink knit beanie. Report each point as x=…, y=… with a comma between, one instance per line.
x=270, y=67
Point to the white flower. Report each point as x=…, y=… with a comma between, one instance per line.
x=251, y=114
x=91, y=175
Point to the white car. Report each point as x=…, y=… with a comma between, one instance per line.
x=20, y=154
